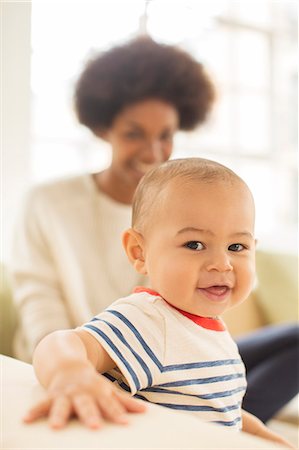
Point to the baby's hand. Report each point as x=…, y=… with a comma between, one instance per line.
x=82, y=392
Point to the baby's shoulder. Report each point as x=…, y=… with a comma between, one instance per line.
x=140, y=308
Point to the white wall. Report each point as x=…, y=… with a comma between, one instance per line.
x=15, y=112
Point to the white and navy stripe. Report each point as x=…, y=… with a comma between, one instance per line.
x=164, y=358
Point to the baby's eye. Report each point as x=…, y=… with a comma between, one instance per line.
x=194, y=245
x=236, y=247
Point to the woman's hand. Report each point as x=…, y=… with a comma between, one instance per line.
x=253, y=425
x=280, y=440
x=79, y=390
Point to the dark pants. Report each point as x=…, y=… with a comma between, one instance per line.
x=271, y=357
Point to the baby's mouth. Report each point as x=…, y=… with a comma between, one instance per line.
x=217, y=292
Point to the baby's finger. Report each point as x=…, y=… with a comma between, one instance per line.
x=87, y=411
x=40, y=410
x=113, y=410
x=131, y=404
x=60, y=412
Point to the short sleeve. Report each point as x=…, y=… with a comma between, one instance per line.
x=134, y=338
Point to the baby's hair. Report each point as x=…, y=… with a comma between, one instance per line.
x=192, y=170
x=142, y=69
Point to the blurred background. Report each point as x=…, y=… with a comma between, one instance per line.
x=249, y=47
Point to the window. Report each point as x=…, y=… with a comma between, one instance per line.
x=250, y=50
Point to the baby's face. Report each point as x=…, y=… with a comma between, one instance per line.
x=200, y=249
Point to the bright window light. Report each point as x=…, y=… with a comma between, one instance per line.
x=250, y=49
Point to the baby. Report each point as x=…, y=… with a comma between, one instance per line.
x=193, y=235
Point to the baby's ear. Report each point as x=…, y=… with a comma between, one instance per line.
x=133, y=243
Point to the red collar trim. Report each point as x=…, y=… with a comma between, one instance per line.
x=205, y=322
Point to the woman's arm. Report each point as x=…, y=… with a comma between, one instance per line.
x=67, y=365
x=36, y=288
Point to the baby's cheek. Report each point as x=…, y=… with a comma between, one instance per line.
x=174, y=277
x=247, y=281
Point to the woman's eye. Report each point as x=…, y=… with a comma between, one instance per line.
x=133, y=135
x=194, y=245
x=236, y=247
x=166, y=137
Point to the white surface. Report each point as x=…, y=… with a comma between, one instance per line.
x=159, y=428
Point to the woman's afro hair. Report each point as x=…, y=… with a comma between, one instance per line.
x=138, y=70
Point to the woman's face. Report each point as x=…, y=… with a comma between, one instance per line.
x=141, y=137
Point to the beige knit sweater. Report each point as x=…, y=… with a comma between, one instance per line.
x=67, y=261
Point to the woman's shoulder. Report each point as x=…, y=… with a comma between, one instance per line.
x=61, y=190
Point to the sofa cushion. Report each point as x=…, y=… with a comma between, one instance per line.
x=277, y=287
x=8, y=314
x=245, y=317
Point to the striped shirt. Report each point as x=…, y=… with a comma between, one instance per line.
x=165, y=358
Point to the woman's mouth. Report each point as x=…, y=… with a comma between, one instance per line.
x=216, y=293
x=143, y=168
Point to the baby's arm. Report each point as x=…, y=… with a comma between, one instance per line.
x=253, y=425
x=67, y=364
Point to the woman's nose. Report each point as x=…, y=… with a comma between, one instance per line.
x=154, y=151
x=219, y=262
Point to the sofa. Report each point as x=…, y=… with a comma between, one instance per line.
x=274, y=300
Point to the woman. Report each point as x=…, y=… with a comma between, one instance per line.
x=68, y=263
